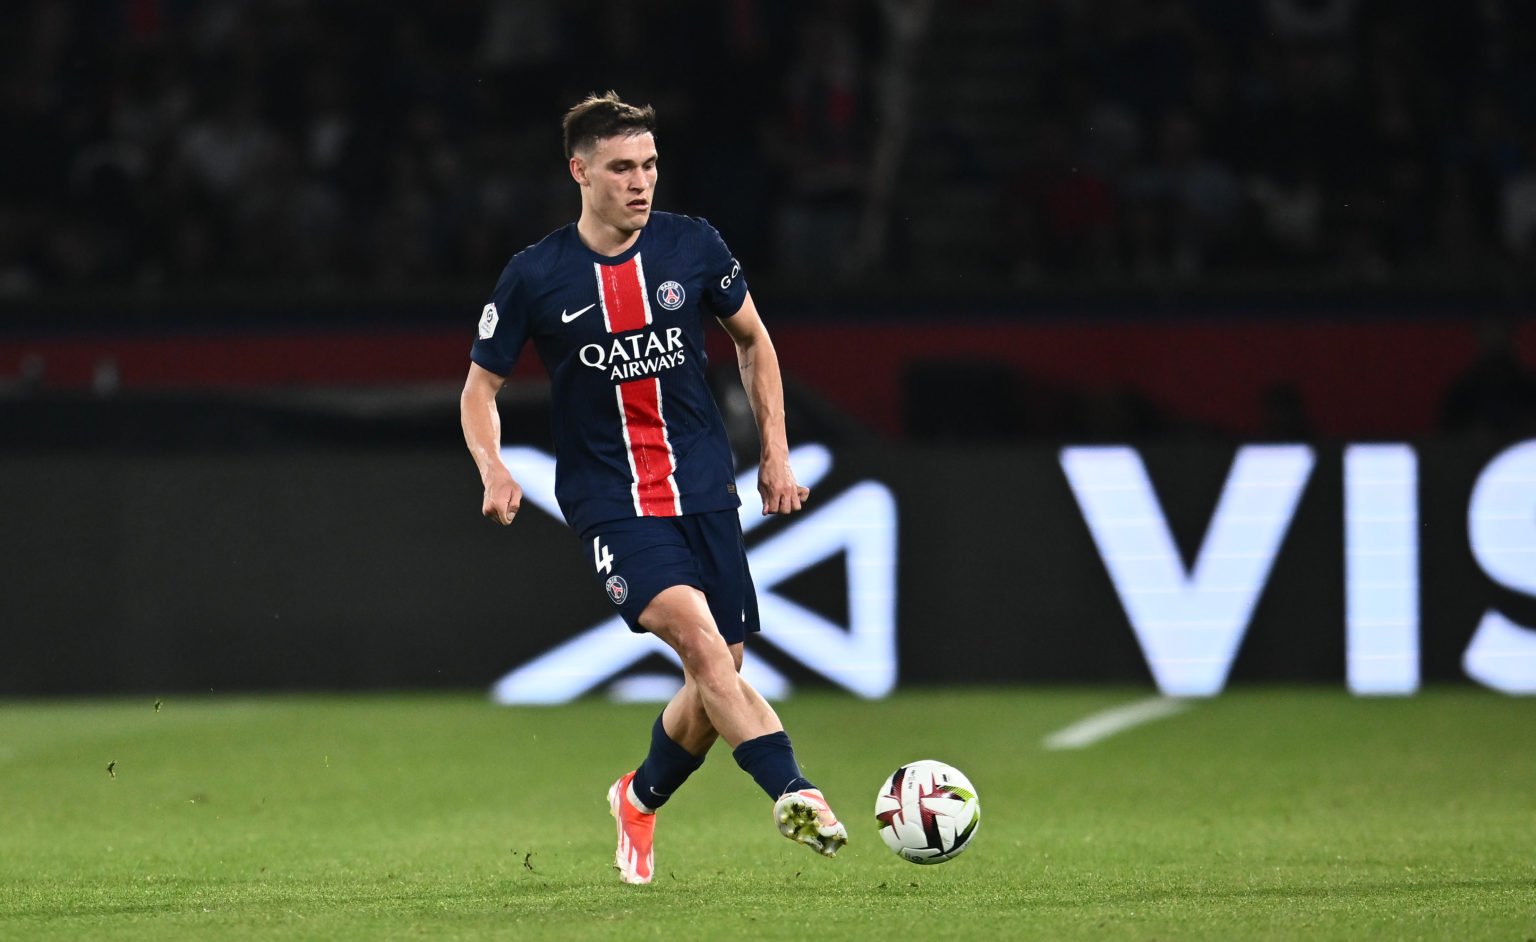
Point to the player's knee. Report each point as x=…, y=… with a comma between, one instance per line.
x=680, y=617
x=701, y=647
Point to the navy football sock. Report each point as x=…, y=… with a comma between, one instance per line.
x=666, y=767
x=770, y=760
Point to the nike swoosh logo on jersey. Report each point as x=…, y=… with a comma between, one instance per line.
x=567, y=318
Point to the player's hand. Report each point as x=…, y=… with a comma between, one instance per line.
x=503, y=497
x=781, y=493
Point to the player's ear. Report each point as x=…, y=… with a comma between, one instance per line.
x=579, y=171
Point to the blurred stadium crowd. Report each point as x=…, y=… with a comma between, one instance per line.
x=165, y=144
x=1366, y=137
x=156, y=142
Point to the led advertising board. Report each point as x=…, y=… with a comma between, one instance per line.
x=1375, y=566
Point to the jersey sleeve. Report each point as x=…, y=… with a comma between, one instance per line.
x=725, y=287
x=503, y=324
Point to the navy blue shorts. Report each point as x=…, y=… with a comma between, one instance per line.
x=639, y=557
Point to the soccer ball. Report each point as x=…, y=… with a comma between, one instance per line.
x=928, y=812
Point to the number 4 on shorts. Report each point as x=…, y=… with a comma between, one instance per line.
x=601, y=556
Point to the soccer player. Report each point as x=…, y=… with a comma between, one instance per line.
x=616, y=305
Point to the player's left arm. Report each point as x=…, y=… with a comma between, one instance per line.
x=760, y=377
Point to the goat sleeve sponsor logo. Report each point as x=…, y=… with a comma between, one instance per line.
x=488, y=320
x=725, y=283
x=639, y=354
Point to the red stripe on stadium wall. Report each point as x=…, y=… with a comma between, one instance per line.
x=621, y=289
x=1373, y=379
x=650, y=451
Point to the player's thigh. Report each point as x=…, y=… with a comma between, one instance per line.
x=679, y=615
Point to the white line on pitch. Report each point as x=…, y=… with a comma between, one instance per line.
x=1106, y=723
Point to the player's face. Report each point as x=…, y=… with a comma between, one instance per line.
x=620, y=178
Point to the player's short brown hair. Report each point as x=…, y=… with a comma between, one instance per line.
x=605, y=115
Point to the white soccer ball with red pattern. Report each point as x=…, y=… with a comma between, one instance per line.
x=928, y=812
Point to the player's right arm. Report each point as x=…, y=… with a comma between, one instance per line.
x=482, y=433
x=503, y=330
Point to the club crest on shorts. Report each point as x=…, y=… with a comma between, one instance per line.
x=670, y=295
x=618, y=589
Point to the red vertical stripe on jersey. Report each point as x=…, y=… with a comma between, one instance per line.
x=621, y=288
x=650, y=452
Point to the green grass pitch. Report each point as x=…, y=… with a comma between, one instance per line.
x=1264, y=813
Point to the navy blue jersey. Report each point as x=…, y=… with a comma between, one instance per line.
x=637, y=433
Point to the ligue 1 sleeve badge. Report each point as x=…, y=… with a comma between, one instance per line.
x=618, y=589
x=670, y=295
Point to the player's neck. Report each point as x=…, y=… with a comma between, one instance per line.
x=603, y=238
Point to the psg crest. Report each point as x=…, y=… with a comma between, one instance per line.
x=670, y=295
x=618, y=589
